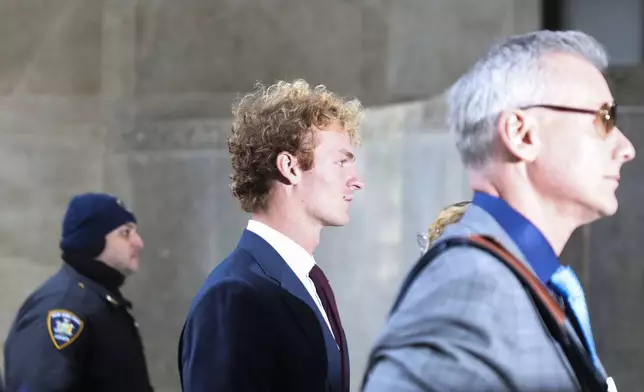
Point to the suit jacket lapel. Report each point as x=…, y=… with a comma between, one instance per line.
x=291, y=283
x=347, y=373
x=276, y=268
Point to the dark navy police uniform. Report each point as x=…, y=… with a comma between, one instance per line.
x=74, y=334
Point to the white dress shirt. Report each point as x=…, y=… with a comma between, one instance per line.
x=297, y=258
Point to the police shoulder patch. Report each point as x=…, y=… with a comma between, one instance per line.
x=64, y=327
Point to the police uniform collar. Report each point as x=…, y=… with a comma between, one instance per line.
x=85, y=263
x=114, y=298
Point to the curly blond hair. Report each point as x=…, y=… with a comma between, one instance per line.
x=280, y=118
x=448, y=215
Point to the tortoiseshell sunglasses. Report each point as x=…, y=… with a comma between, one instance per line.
x=607, y=114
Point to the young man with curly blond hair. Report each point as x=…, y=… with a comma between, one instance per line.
x=266, y=318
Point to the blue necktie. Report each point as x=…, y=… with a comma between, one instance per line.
x=566, y=284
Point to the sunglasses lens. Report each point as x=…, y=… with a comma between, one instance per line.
x=608, y=117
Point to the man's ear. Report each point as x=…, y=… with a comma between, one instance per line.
x=519, y=135
x=289, y=167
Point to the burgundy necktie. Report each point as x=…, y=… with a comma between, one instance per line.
x=325, y=293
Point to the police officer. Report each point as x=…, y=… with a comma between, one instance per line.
x=75, y=332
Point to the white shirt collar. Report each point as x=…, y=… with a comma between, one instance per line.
x=300, y=261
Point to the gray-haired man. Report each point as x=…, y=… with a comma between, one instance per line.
x=535, y=126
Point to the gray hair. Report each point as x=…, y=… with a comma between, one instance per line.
x=510, y=75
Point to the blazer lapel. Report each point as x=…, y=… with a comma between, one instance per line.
x=347, y=374
x=291, y=283
x=276, y=268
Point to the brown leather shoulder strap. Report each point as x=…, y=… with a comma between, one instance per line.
x=589, y=377
x=537, y=287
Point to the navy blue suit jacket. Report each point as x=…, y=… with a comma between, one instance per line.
x=254, y=327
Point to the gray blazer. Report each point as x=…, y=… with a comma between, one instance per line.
x=467, y=324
